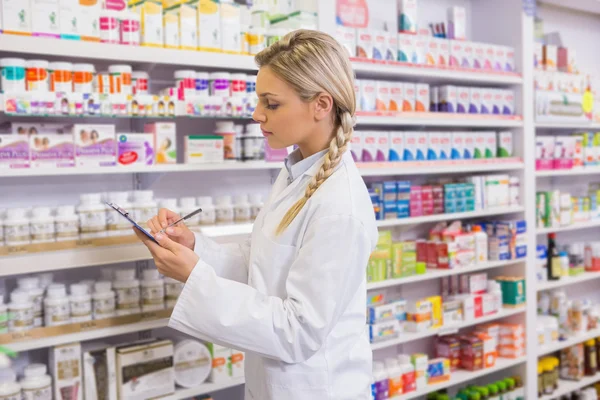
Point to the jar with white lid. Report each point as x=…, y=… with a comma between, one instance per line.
x=186, y=206
x=185, y=82
x=256, y=204
x=20, y=311
x=42, y=225
x=192, y=363
x=57, y=308
x=238, y=85
x=254, y=143
x=140, y=82
x=251, y=84
x=16, y=227
x=173, y=289
x=208, y=215
x=3, y=317
x=120, y=79
x=220, y=84
x=169, y=204
x=224, y=210
x=241, y=209
x=130, y=28
x=115, y=223
x=13, y=75
x=36, y=383
x=92, y=216
x=226, y=129
x=202, y=84
x=109, y=26
x=37, y=75
x=153, y=291
x=104, y=305
x=257, y=39
x=83, y=78
x=127, y=290
x=61, y=77
x=144, y=206
x=66, y=223
x=9, y=388
x=31, y=285
x=81, y=303
x=239, y=141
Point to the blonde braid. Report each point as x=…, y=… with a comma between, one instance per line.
x=337, y=148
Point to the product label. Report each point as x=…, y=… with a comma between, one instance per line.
x=143, y=214
x=104, y=308
x=44, y=393
x=20, y=320
x=153, y=296
x=241, y=213
x=92, y=221
x=224, y=214
x=57, y=314
x=67, y=228
x=81, y=309
x=128, y=298
x=16, y=233
x=173, y=290
x=42, y=231
x=115, y=222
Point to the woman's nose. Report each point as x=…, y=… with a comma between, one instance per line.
x=258, y=116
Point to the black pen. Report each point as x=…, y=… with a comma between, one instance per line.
x=190, y=215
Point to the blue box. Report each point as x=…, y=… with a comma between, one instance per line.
x=374, y=196
x=499, y=248
x=403, y=188
x=390, y=191
x=403, y=209
x=390, y=210
x=377, y=187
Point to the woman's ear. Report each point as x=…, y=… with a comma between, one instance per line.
x=323, y=106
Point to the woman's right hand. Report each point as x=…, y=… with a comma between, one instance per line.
x=179, y=233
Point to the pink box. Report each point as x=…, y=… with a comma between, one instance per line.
x=52, y=151
x=564, y=152
x=14, y=151
x=544, y=152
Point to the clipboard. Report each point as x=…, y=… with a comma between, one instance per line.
x=125, y=215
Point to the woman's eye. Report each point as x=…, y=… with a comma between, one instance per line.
x=272, y=106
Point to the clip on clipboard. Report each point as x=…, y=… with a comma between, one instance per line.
x=125, y=215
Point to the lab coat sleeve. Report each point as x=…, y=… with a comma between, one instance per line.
x=229, y=261
x=325, y=275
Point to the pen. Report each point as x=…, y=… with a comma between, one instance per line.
x=182, y=219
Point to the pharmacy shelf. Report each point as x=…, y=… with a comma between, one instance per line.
x=567, y=387
x=566, y=281
x=441, y=273
x=83, y=336
x=573, y=227
x=406, y=337
x=567, y=125
x=447, y=217
x=587, y=6
x=462, y=376
x=159, y=168
x=439, y=167
x=439, y=119
x=568, y=172
x=205, y=388
x=79, y=258
x=386, y=69
x=563, y=344
x=32, y=47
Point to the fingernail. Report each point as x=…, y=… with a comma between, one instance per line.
x=159, y=236
x=170, y=231
x=164, y=224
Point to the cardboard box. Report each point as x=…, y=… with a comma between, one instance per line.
x=165, y=141
x=209, y=25
x=100, y=372
x=52, y=151
x=135, y=149
x=95, y=145
x=45, y=18
x=16, y=17
x=203, y=149
x=66, y=369
x=14, y=151
x=151, y=17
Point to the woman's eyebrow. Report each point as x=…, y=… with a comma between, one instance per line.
x=267, y=94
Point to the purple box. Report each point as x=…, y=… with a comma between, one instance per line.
x=95, y=145
x=135, y=148
x=14, y=151
x=54, y=151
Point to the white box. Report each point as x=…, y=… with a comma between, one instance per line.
x=14, y=151
x=151, y=364
x=469, y=143
x=364, y=44
x=45, y=18
x=497, y=101
x=99, y=366
x=347, y=38
x=382, y=89
x=448, y=99
x=509, y=102
x=421, y=146
x=356, y=146
x=16, y=16
x=230, y=28
x=445, y=145
x=368, y=95
x=505, y=144
x=422, y=97
x=421, y=47
x=410, y=146
x=370, y=139
x=479, y=148
x=489, y=54
x=457, y=145
x=135, y=149
x=509, y=65
x=383, y=146
x=165, y=141
x=221, y=357
x=499, y=58
x=52, y=151
x=396, y=96
x=379, y=44
x=407, y=12
x=89, y=23
x=487, y=101
x=391, y=46
x=203, y=149
x=396, y=146
x=407, y=48
x=237, y=363
x=463, y=99
x=410, y=97
x=478, y=56
x=443, y=52
x=95, y=145
x=434, y=146
x=457, y=23
x=151, y=16
x=475, y=100
x=209, y=27
x=65, y=369
x=69, y=15
x=491, y=145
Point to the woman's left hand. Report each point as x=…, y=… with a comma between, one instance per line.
x=172, y=259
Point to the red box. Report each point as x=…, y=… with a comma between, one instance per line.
x=438, y=193
x=421, y=250
x=427, y=207
x=471, y=353
x=432, y=258
x=478, y=305
x=449, y=347
x=427, y=193
x=442, y=255
x=416, y=193
x=562, y=59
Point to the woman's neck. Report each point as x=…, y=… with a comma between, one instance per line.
x=315, y=143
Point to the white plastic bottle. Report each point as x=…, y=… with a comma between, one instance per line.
x=169, y=204
x=127, y=290
x=173, y=289
x=256, y=204
x=103, y=300
x=9, y=388
x=241, y=209
x=2, y=217
x=31, y=285
x=92, y=216
x=208, y=215
x=42, y=225
x=81, y=303
x=36, y=383
x=481, y=245
x=66, y=224
x=3, y=317
x=224, y=210
x=57, y=308
x=20, y=311
x=186, y=206
x=394, y=371
x=16, y=227
x=144, y=206
x=89, y=284
x=153, y=291
x=495, y=290
x=46, y=279
x=380, y=380
x=116, y=224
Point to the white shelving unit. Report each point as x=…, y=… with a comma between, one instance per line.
x=563, y=344
x=567, y=281
x=568, y=172
x=567, y=228
x=205, y=388
x=439, y=120
x=566, y=387
x=449, y=217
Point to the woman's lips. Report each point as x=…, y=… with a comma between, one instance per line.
x=266, y=133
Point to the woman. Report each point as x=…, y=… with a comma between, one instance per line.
x=294, y=296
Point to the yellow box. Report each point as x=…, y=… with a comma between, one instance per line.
x=436, y=311
x=231, y=25
x=180, y=24
x=151, y=17
x=208, y=18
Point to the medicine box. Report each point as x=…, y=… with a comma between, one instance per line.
x=230, y=28
x=99, y=372
x=457, y=145
x=489, y=53
x=443, y=52
x=445, y=145
x=45, y=18
x=364, y=43
x=382, y=93
x=151, y=17
x=203, y=149
x=14, y=151
x=544, y=152
x=434, y=146
x=209, y=25
x=368, y=95
x=410, y=97
x=165, y=141
x=420, y=363
x=356, y=146
x=422, y=97
x=52, y=151
x=381, y=313
x=497, y=101
x=438, y=370
x=16, y=16
x=396, y=96
x=475, y=100
x=509, y=102
x=421, y=44
x=448, y=99
x=462, y=99
x=431, y=51
x=418, y=316
x=505, y=144
x=95, y=145
x=66, y=369
x=396, y=146
x=487, y=101
x=379, y=44
x=549, y=57
x=491, y=147
x=185, y=17
x=407, y=48
x=384, y=331
x=370, y=146
x=478, y=55
x=69, y=18
x=391, y=48
x=457, y=23
x=456, y=53
x=347, y=38
x=135, y=149
x=221, y=357
x=407, y=10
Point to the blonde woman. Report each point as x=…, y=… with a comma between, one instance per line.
x=294, y=296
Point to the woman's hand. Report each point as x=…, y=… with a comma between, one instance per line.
x=180, y=233
x=172, y=259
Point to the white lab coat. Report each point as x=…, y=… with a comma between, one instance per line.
x=295, y=303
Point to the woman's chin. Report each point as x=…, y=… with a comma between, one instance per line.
x=274, y=143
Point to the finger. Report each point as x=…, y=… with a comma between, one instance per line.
x=147, y=241
x=175, y=231
x=165, y=216
x=154, y=225
x=165, y=242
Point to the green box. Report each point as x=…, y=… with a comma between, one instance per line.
x=513, y=291
x=409, y=263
